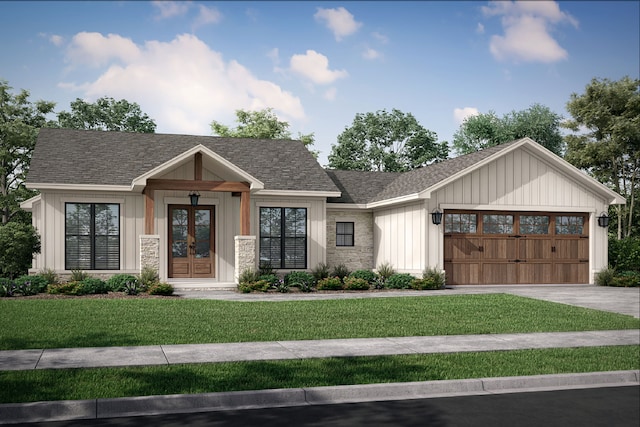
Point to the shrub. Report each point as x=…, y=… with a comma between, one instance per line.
x=271, y=278
x=605, y=277
x=49, y=275
x=92, y=286
x=266, y=269
x=248, y=276
x=116, y=282
x=367, y=275
x=259, y=285
x=282, y=287
x=18, y=243
x=385, y=270
x=399, y=281
x=437, y=277
x=426, y=283
x=321, y=271
x=356, y=284
x=330, y=284
x=147, y=277
x=624, y=255
x=68, y=288
x=7, y=287
x=340, y=271
x=37, y=284
x=78, y=275
x=300, y=279
x=161, y=288
x=133, y=287
x=627, y=279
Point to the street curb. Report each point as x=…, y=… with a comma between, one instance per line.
x=13, y=413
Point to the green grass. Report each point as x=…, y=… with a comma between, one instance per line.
x=43, y=385
x=33, y=323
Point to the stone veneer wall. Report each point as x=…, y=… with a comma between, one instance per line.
x=150, y=252
x=359, y=256
x=245, y=258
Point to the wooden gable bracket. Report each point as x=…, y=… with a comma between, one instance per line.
x=197, y=184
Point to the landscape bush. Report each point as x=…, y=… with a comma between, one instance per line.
x=399, y=281
x=626, y=279
x=432, y=278
x=385, y=270
x=259, y=285
x=330, y=284
x=78, y=275
x=7, y=287
x=340, y=271
x=605, y=277
x=367, y=275
x=116, y=283
x=36, y=283
x=160, y=288
x=49, y=275
x=300, y=279
x=624, y=255
x=147, y=277
x=18, y=243
x=356, y=284
x=320, y=271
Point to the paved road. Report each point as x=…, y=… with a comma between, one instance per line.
x=586, y=407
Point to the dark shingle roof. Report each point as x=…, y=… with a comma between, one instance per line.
x=366, y=187
x=359, y=186
x=65, y=156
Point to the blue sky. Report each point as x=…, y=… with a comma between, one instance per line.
x=317, y=63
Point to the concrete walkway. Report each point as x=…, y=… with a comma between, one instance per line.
x=621, y=300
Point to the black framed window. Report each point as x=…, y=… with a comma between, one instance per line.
x=344, y=234
x=283, y=237
x=92, y=236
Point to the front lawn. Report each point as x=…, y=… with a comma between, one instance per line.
x=42, y=323
x=73, y=384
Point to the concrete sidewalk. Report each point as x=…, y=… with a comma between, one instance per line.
x=66, y=358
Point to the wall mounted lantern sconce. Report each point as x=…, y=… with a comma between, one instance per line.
x=436, y=217
x=603, y=220
x=194, y=196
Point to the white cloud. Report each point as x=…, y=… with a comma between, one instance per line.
x=182, y=84
x=96, y=50
x=380, y=37
x=168, y=9
x=339, y=21
x=274, y=55
x=459, y=114
x=330, y=94
x=480, y=28
x=207, y=15
x=371, y=54
x=527, y=30
x=56, y=40
x=315, y=67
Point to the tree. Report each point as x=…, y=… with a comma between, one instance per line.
x=609, y=150
x=20, y=120
x=486, y=130
x=386, y=141
x=261, y=124
x=18, y=243
x=106, y=114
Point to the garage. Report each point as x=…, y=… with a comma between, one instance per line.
x=503, y=247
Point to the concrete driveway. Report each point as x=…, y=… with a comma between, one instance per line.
x=617, y=300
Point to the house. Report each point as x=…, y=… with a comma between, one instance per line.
x=113, y=202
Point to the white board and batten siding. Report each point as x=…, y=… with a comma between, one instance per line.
x=521, y=181
x=399, y=236
x=49, y=219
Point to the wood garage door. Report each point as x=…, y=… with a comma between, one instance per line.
x=515, y=247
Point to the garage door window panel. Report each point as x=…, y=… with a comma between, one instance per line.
x=566, y=224
x=497, y=224
x=463, y=223
x=534, y=224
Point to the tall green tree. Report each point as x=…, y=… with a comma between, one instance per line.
x=261, y=124
x=106, y=114
x=386, y=141
x=606, y=141
x=486, y=130
x=20, y=120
